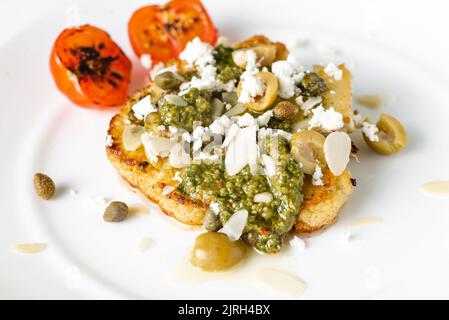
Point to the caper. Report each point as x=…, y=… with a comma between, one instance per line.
x=250, y=238
x=211, y=221
x=392, y=136
x=44, y=186
x=216, y=252
x=230, y=98
x=308, y=149
x=167, y=80
x=285, y=110
x=116, y=211
x=313, y=85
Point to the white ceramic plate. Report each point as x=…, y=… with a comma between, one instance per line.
x=406, y=255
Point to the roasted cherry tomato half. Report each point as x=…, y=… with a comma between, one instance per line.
x=164, y=31
x=90, y=68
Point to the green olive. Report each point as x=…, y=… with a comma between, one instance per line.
x=215, y=252
x=392, y=136
x=152, y=122
x=167, y=80
x=308, y=150
x=116, y=211
x=285, y=110
x=211, y=221
x=313, y=85
x=262, y=103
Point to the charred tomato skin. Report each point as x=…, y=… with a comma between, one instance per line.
x=164, y=31
x=89, y=68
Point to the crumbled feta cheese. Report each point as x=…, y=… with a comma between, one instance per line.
x=333, y=71
x=263, y=119
x=215, y=207
x=317, y=176
x=220, y=125
x=332, y=92
x=264, y=197
x=160, y=68
x=297, y=243
x=145, y=61
x=143, y=107
x=252, y=86
x=186, y=137
x=309, y=104
x=326, y=119
x=289, y=74
x=172, y=129
x=270, y=132
x=269, y=165
x=109, y=141
x=178, y=157
x=161, y=128
x=198, y=53
x=370, y=131
x=246, y=120
x=167, y=190
x=358, y=119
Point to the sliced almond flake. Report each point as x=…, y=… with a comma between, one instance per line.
x=373, y=101
x=29, y=248
x=145, y=244
x=233, y=228
x=264, y=197
x=365, y=221
x=437, y=188
x=132, y=137
x=236, y=110
x=337, y=151
x=175, y=100
x=282, y=282
x=138, y=209
x=167, y=190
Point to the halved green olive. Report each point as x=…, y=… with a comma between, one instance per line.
x=308, y=150
x=392, y=136
x=262, y=103
x=216, y=252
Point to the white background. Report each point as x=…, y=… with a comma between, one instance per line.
x=420, y=27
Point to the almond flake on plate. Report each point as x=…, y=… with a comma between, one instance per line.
x=365, y=221
x=337, y=150
x=233, y=228
x=29, y=248
x=436, y=188
x=282, y=282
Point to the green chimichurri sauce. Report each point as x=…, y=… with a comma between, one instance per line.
x=226, y=68
x=267, y=222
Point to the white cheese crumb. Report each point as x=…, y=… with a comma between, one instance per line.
x=252, y=86
x=143, y=107
x=309, y=104
x=172, y=129
x=329, y=119
x=109, y=141
x=263, y=119
x=370, y=131
x=215, y=207
x=317, y=176
x=198, y=53
x=145, y=61
x=297, y=243
x=167, y=190
x=358, y=119
x=162, y=128
x=332, y=92
x=333, y=71
x=246, y=120
x=264, y=197
x=289, y=74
